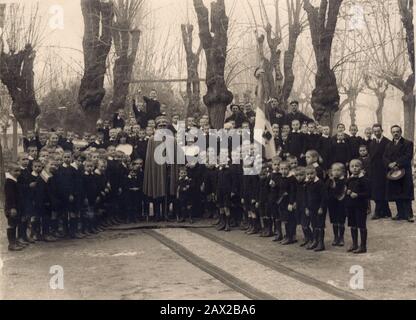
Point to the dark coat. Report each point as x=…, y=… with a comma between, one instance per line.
x=152, y=108
x=296, y=144
x=141, y=117
x=12, y=196
x=402, y=154
x=378, y=170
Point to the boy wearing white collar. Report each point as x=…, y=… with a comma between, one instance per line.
x=12, y=206
x=336, y=188
x=358, y=193
x=37, y=168
x=316, y=208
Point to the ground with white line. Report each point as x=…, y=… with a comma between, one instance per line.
x=206, y=264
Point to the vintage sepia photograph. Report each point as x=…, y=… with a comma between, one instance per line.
x=207, y=154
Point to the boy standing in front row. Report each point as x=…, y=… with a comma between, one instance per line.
x=11, y=206
x=316, y=208
x=358, y=193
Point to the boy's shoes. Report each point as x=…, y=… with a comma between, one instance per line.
x=49, y=238
x=288, y=241
x=396, y=218
x=277, y=238
x=411, y=220
x=30, y=239
x=312, y=245
x=375, y=217
x=22, y=242
x=353, y=248
x=15, y=247
x=360, y=250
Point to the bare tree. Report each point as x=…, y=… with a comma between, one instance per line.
x=16, y=65
x=386, y=48
x=406, y=13
x=193, y=90
x=214, y=41
x=279, y=84
x=379, y=87
x=98, y=16
x=322, y=24
x=126, y=38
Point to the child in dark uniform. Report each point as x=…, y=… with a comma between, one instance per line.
x=90, y=198
x=11, y=208
x=336, y=188
x=184, y=196
x=296, y=143
x=23, y=182
x=224, y=186
x=132, y=194
x=248, y=192
x=37, y=168
x=272, y=197
x=298, y=200
x=312, y=159
x=236, y=182
x=316, y=208
x=285, y=187
x=358, y=194
x=365, y=160
x=340, y=150
x=103, y=191
x=43, y=201
x=261, y=204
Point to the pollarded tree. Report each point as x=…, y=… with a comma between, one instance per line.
x=279, y=83
x=193, y=90
x=214, y=41
x=322, y=24
x=16, y=65
x=98, y=16
x=126, y=38
x=379, y=87
x=391, y=61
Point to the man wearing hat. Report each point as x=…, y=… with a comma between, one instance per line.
x=160, y=180
x=378, y=173
x=398, y=158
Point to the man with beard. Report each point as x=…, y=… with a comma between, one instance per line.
x=397, y=156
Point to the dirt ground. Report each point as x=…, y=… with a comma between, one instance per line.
x=131, y=264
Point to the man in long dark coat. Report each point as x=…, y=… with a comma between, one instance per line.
x=160, y=179
x=399, y=155
x=378, y=173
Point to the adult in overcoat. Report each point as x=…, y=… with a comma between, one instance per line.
x=399, y=155
x=378, y=172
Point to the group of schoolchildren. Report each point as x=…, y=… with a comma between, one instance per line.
x=59, y=189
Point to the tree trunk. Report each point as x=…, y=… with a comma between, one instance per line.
x=409, y=115
x=124, y=40
x=2, y=177
x=16, y=72
x=322, y=21
x=325, y=96
x=4, y=138
x=380, y=107
x=96, y=45
x=214, y=41
x=193, y=90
